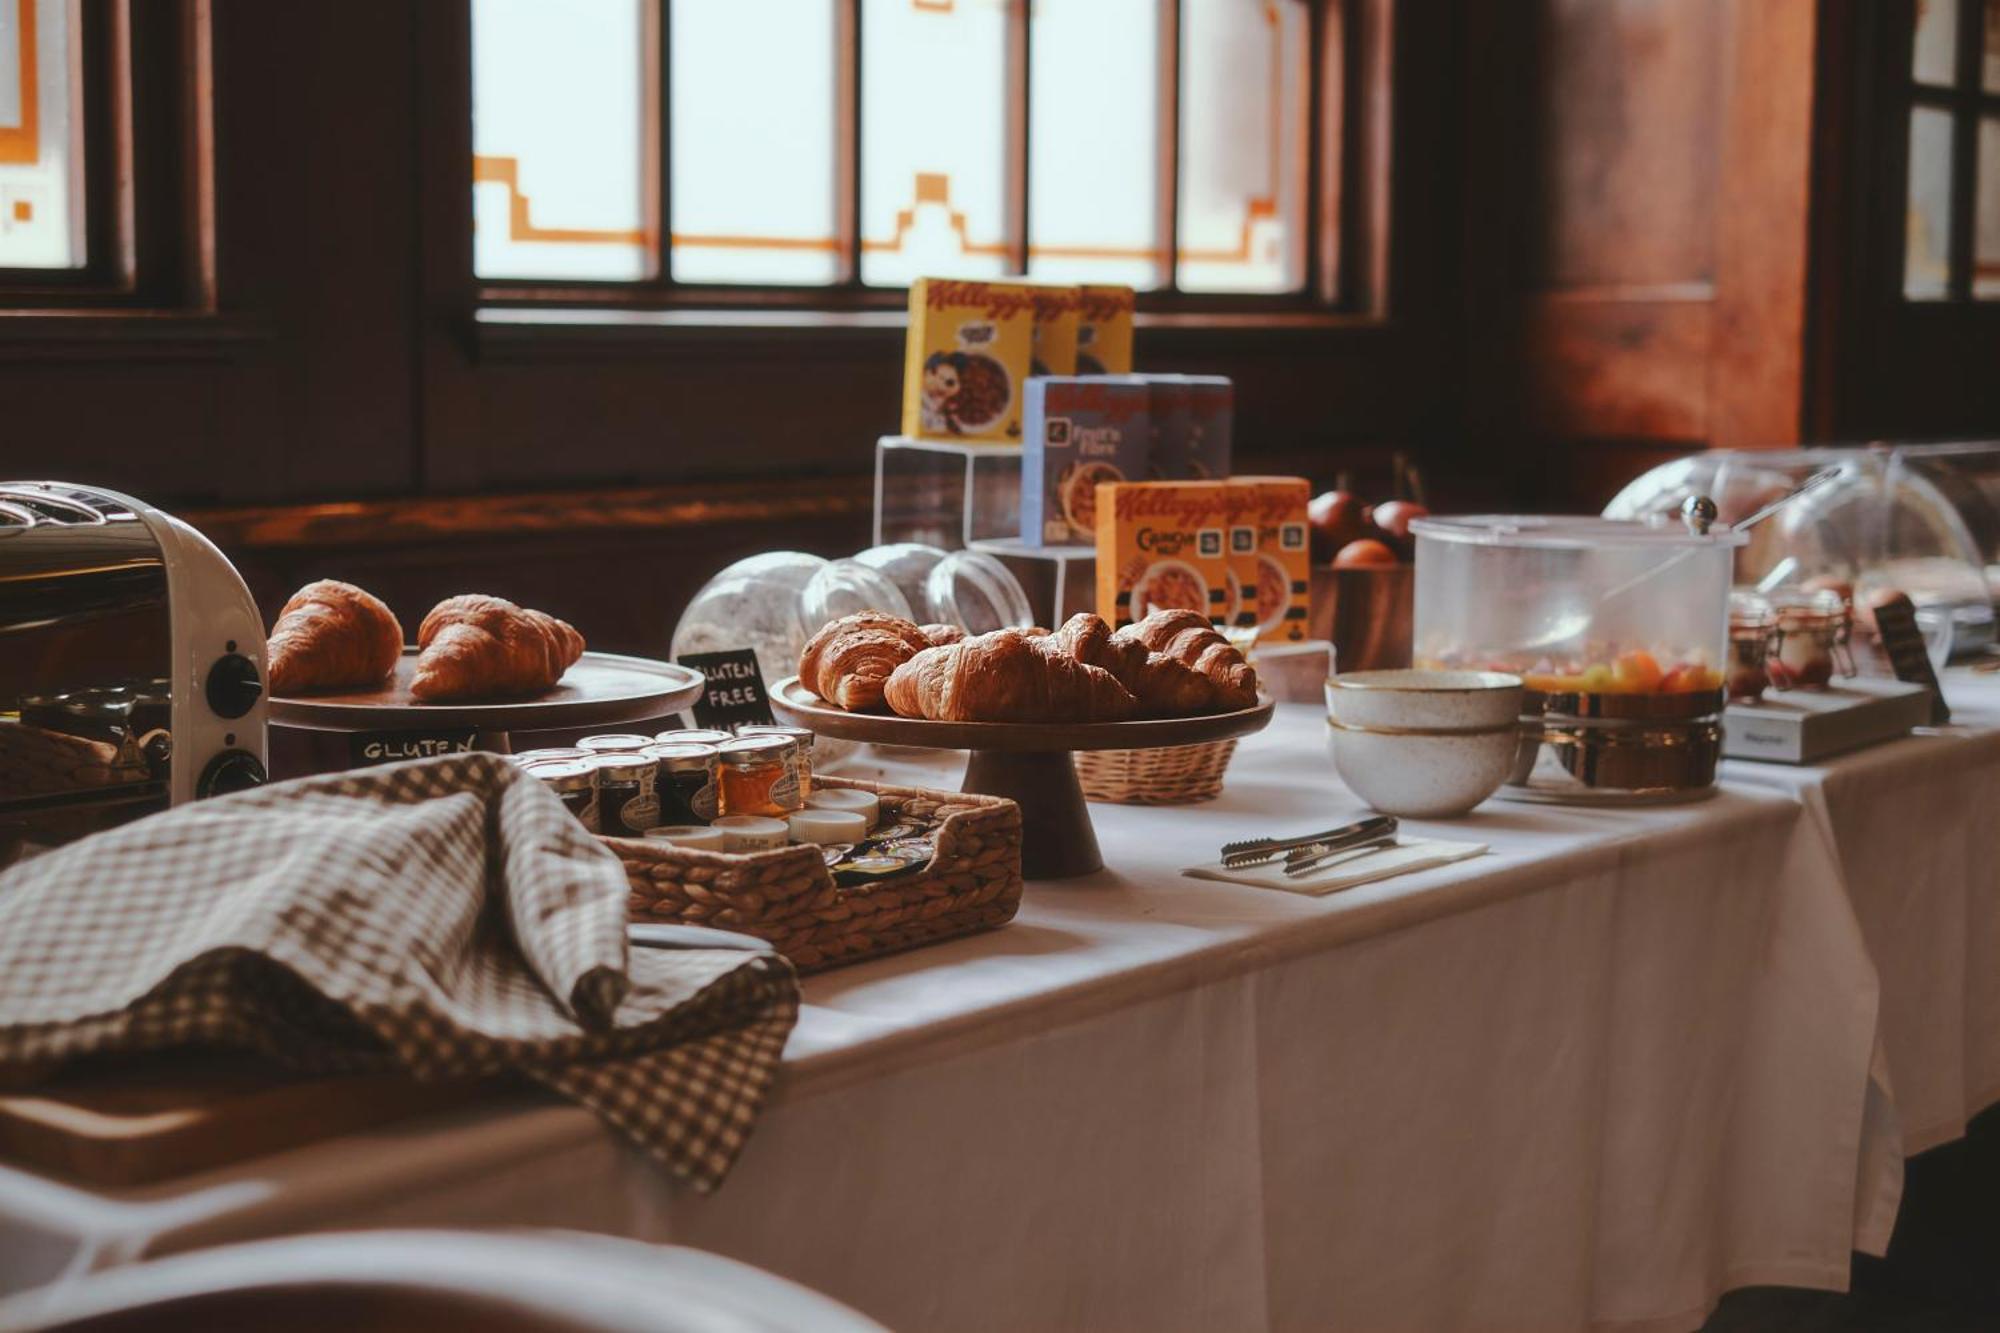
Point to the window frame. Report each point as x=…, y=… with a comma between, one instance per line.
x=147, y=137
x=1347, y=182
x=1967, y=101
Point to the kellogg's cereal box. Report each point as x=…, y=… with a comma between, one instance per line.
x=1193, y=417
x=1104, y=330
x=966, y=359
x=1081, y=432
x=1054, y=346
x=1161, y=545
x=1280, y=586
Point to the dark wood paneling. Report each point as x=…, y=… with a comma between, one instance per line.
x=1611, y=368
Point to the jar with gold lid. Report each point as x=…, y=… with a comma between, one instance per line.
x=802, y=739
x=1751, y=622
x=758, y=775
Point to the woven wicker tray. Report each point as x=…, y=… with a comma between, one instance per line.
x=788, y=896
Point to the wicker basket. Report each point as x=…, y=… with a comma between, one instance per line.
x=788, y=896
x=1172, y=775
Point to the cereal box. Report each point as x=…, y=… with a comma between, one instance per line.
x=1161, y=545
x=1192, y=422
x=966, y=359
x=1279, y=600
x=1054, y=345
x=1104, y=330
x=1081, y=433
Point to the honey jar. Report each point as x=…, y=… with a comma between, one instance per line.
x=758, y=775
x=802, y=739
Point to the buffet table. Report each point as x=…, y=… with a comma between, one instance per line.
x=1592, y=1079
x=1915, y=825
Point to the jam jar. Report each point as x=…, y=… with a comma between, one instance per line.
x=684, y=781
x=1751, y=622
x=759, y=776
x=1809, y=642
x=626, y=803
x=574, y=783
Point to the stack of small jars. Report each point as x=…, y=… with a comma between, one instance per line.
x=1797, y=641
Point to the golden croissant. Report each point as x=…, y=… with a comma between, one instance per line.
x=1187, y=637
x=849, y=660
x=332, y=636
x=477, y=647
x=1164, y=686
x=1005, y=677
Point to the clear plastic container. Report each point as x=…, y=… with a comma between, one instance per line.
x=845, y=588
x=1575, y=605
x=945, y=493
x=977, y=593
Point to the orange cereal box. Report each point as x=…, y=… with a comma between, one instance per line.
x=1165, y=545
x=1104, y=330
x=1280, y=582
x=966, y=359
x=1057, y=308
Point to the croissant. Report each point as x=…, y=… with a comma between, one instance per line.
x=1187, y=637
x=1004, y=677
x=939, y=635
x=850, y=659
x=1164, y=686
x=478, y=647
x=330, y=636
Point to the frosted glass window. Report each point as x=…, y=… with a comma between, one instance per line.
x=934, y=99
x=1986, y=232
x=1935, y=56
x=41, y=176
x=1093, y=136
x=1989, y=65
x=1927, y=247
x=1244, y=72
x=560, y=140
x=755, y=134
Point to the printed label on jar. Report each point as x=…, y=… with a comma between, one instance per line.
x=785, y=792
x=703, y=803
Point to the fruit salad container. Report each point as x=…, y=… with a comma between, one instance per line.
x=1619, y=630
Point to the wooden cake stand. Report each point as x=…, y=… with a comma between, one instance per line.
x=600, y=690
x=1026, y=762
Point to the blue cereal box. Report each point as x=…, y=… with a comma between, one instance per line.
x=1193, y=417
x=1079, y=433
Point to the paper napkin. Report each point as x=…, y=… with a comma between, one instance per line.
x=1346, y=872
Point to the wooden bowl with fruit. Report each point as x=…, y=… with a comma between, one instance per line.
x=1363, y=578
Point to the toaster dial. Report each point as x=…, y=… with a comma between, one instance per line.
x=232, y=770
x=233, y=686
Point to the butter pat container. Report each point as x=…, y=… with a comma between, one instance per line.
x=1278, y=594
x=1162, y=545
x=1082, y=432
x=1104, y=329
x=966, y=359
x=1052, y=348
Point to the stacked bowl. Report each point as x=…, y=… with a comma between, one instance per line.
x=1423, y=744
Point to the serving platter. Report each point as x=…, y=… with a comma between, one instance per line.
x=1027, y=762
x=601, y=689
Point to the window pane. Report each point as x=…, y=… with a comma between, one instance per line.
x=1093, y=107
x=41, y=181
x=1244, y=67
x=934, y=139
x=1935, y=59
x=559, y=167
x=1990, y=63
x=753, y=142
x=1927, y=244
x=1986, y=236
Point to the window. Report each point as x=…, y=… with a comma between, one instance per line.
x=41, y=136
x=1951, y=248
x=843, y=147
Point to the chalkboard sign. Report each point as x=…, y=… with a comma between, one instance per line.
x=388, y=747
x=1903, y=641
x=735, y=690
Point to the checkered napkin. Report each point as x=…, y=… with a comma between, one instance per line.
x=445, y=916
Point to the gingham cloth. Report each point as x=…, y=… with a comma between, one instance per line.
x=446, y=916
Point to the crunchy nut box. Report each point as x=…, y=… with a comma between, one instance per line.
x=966, y=359
x=1279, y=600
x=1164, y=544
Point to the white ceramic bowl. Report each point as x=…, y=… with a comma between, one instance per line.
x=1420, y=776
x=1415, y=700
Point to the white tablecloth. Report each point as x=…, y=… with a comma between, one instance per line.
x=1593, y=1079
x=1915, y=826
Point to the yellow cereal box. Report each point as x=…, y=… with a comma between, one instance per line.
x=1165, y=544
x=1279, y=585
x=1056, y=311
x=966, y=359
x=1104, y=330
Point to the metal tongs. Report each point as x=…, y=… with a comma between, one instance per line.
x=1312, y=850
